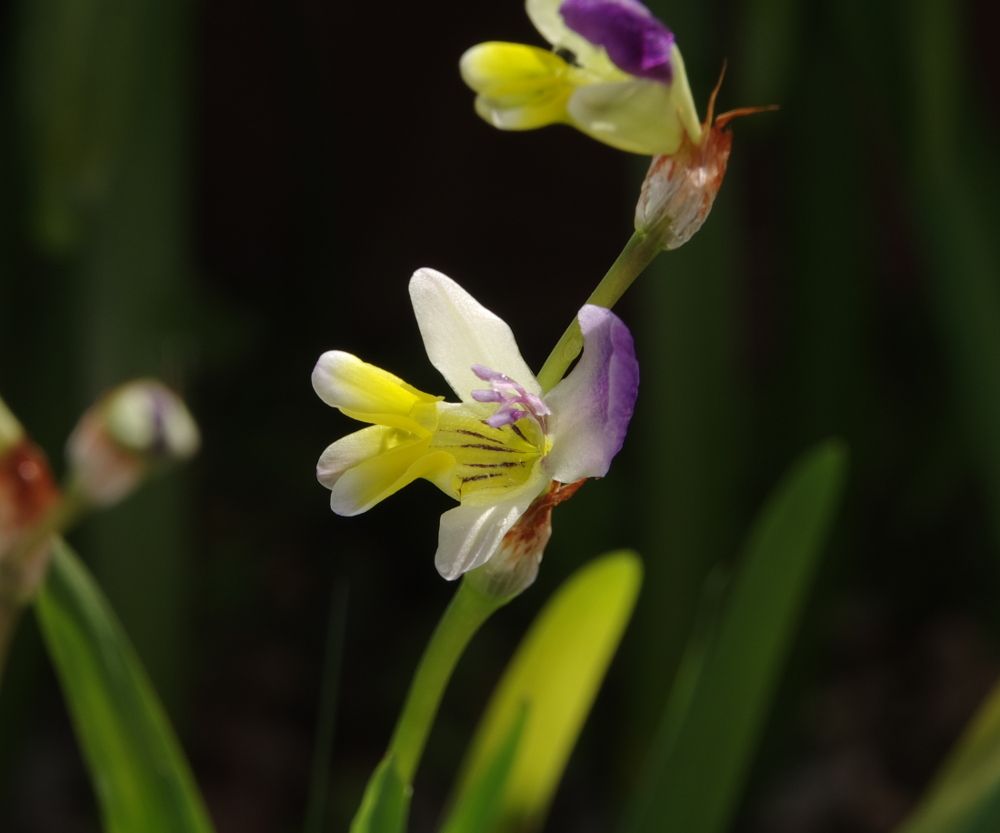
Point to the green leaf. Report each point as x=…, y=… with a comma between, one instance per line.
x=140, y=776
x=714, y=721
x=386, y=802
x=555, y=674
x=482, y=803
x=965, y=796
x=317, y=804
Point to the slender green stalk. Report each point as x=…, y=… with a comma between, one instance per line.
x=25, y=559
x=317, y=808
x=639, y=252
x=63, y=515
x=468, y=609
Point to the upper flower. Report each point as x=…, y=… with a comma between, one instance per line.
x=500, y=446
x=615, y=73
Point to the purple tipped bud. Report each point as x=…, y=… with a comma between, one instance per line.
x=133, y=428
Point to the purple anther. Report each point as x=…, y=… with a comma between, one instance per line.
x=515, y=402
x=487, y=375
x=634, y=39
x=487, y=396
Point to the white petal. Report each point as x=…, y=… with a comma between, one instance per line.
x=637, y=116
x=470, y=535
x=459, y=332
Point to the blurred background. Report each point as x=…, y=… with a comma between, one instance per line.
x=216, y=193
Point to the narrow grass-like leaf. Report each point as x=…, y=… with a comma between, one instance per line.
x=317, y=808
x=386, y=802
x=965, y=796
x=140, y=776
x=555, y=674
x=482, y=803
x=699, y=777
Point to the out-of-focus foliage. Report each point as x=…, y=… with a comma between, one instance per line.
x=711, y=728
x=138, y=771
x=965, y=797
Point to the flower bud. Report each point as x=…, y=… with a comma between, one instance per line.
x=679, y=190
x=27, y=494
x=134, y=428
x=513, y=568
x=11, y=432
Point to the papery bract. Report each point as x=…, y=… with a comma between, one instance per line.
x=498, y=448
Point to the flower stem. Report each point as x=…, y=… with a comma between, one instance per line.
x=22, y=568
x=639, y=252
x=468, y=609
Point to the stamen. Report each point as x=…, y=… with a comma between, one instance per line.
x=515, y=402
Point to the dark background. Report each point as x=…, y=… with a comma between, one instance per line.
x=216, y=193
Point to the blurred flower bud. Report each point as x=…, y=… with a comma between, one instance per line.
x=134, y=428
x=11, y=432
x=679, y=190
x=514, y=566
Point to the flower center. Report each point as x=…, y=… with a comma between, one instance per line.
x=496, y=452
x=515, y=402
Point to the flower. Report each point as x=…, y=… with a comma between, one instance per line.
x=498, y=448
x=615, y=73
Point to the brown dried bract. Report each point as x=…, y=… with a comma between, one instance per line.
x=27, y=494
x=680, y=189
x=528, y=537
x=27, y=490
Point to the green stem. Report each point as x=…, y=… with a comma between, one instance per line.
x=21, y=567
x=468, y=609
x=639, y=252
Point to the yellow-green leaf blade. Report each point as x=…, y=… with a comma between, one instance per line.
x=140, y=776
x=965, y=796
x=482, y=803
x=555, y=674
x=386, y=802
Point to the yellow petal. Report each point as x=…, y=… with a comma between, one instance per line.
x=370, y=394
x=354, y=449
x=683, y=101
x=520, y=87
x=359, y=488
x=638, y=116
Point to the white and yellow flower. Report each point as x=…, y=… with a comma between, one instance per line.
x=501, y=445
x=614, y=72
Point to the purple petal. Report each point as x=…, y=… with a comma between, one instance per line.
x=591, y=407
x=635, y=40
